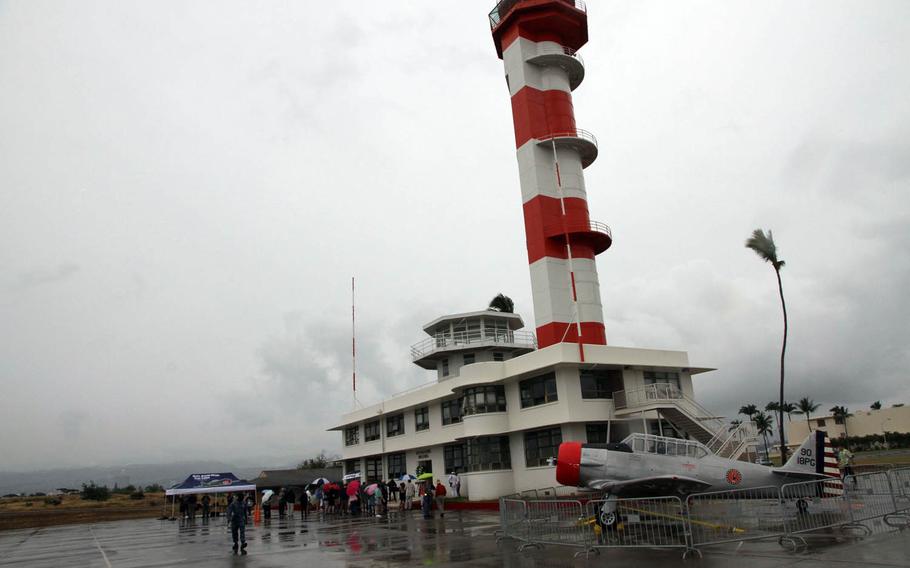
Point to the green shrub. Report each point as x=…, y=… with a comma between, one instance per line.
x=92, y=492
x=154, y=488
x=53, y=501
x=137, y=495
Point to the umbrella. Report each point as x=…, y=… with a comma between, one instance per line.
x=329, y=486
x=408, y=477
x=424, y=476
x=320, y=481
x=350, y=476
x=353, y=487
x=267, y=494
x=371, y=488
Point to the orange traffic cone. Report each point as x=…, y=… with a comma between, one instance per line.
x=256, y=513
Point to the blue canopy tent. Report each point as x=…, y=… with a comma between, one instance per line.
x=208, y=483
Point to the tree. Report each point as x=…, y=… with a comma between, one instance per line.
x=319, y=461
x=764, y=423
x=734, y=424
x=749, y=410
x=502, y=303
x=840, y=415
x=764, y=247
x=92, y=492
x=877, y=405
x=773, y=406
x=806, y=406
x=789, y=408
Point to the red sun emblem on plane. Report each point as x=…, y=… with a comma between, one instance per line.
x=734, y=476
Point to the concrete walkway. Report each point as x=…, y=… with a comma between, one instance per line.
x=460, y=539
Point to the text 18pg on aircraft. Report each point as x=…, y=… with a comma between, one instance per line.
x=644, y=466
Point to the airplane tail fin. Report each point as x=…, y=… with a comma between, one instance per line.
x=815, y=458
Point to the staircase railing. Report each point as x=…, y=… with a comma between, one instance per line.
x=724, y=441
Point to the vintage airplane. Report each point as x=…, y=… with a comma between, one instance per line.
x=644, y=465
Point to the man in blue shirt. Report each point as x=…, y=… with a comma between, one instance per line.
x=236, y=517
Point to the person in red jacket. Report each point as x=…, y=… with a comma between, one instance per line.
x=440, y=492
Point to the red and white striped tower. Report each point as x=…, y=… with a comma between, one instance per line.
x=538, y=42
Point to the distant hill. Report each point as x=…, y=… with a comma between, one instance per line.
x=136, y=474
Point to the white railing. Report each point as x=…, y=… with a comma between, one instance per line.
x=503, y=7
x=578, y=227
x=545, y=49
x=574, y=133
x=724, y=440
x=473, y=338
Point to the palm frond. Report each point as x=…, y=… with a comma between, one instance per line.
x=502, y=303
x=764, y=247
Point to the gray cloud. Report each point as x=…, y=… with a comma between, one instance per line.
x=225, y=168
x=44, y=276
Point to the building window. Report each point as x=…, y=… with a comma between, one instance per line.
x=422, y=418
x=451, y=411
x=487, y=453
x=838, y=419
x=541, y=445
x=820, y=423
x=351, y=466
x=469, y=358
x=445, y=367
x=454, y=458
x=498, y=356
x=597, y=433
x=394, y=425
x=480, y=400
x=352, y=436
x=539, y=390
x=396, y=465
x=601, y=383
x=371, y=431
x=670, y=378
x=373, y=469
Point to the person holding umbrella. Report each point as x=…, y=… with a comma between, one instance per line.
x=353, y=492
x=426, y=502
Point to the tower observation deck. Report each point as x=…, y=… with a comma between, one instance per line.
x=538, y=41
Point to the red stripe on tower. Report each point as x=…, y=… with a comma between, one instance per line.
x=537, y=41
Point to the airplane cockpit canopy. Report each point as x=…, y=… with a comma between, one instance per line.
x=662, y=445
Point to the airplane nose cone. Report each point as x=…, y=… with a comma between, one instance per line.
x=567, y=463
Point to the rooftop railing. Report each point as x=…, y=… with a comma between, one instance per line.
x=503, y=8
x=468, y=339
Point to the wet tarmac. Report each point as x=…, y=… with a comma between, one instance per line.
x=459, y=539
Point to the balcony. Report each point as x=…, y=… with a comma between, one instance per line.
x=579, y=140
x=561, y=56
x=593, y=233
x=424, y=350
x=504, y=7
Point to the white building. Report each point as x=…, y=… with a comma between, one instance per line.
x=500, y=408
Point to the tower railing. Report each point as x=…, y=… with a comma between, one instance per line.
x=471, y=339
x=578, y=227
x=503, y=7
x=575, y=133
x=544, y=49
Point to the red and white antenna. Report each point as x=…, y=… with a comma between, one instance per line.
x=353, y=350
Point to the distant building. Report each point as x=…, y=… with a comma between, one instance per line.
x=861, y=423
x=276, y=479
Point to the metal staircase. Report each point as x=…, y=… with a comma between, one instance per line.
x=687, y=416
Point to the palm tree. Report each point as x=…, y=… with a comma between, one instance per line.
x=765, y=248
x=749, y=410
x=789, y=408
x=734, y=424
x=501, y=303
x=772, y=406
x=764, y=423
x=877, y=405
x=840, y=415
x=806, y=406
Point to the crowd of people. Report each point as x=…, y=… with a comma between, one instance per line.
x=326, y=499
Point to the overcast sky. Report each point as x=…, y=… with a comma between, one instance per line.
x=186, y=189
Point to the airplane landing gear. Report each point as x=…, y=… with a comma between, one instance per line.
x=607, y=517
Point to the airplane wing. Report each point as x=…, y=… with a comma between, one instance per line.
x=655, y=486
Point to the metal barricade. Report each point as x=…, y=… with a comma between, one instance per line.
x=659, y=522
x=735, y=515
x=513, y=517
x=556, y=521
x=814, y=505
x=900, y=482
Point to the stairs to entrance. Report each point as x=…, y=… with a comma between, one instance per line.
x=687, y=416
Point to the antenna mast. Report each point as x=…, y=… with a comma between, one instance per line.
x=353, y=349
